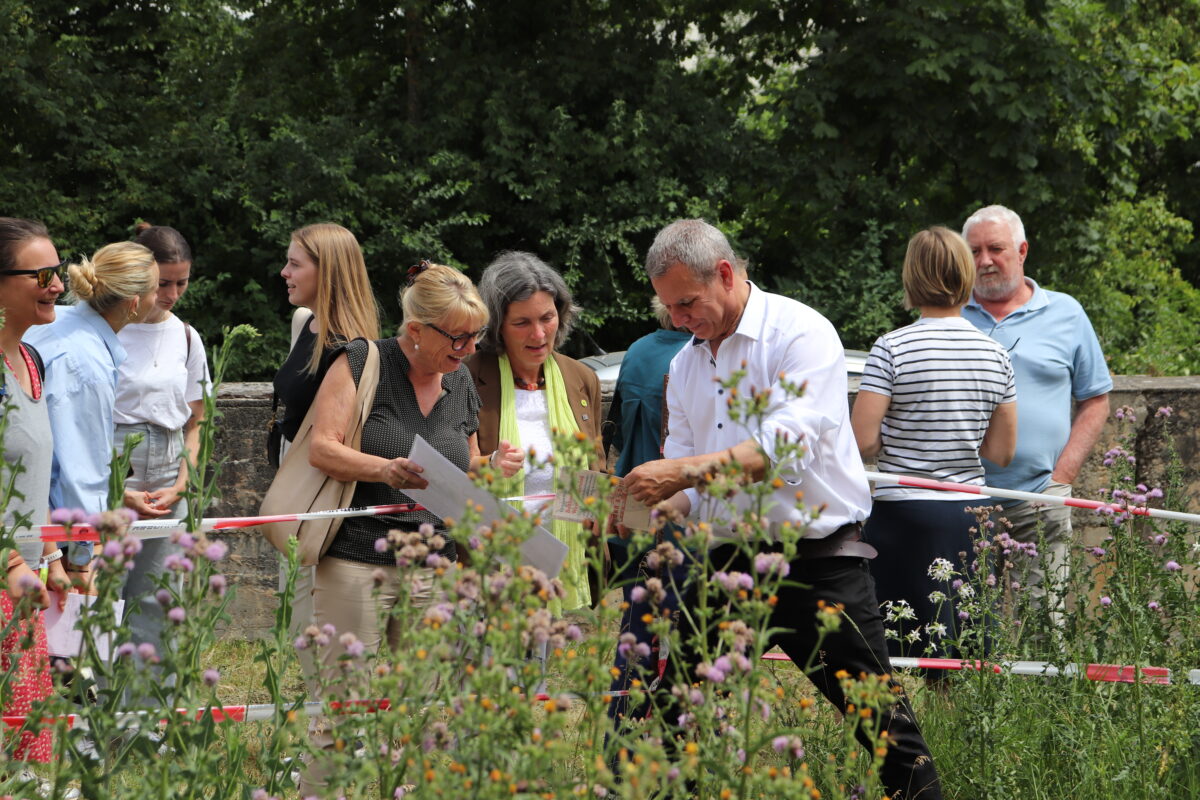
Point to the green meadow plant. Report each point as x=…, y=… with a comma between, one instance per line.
x=1129, y=601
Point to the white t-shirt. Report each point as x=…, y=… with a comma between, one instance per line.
x=533, y=424
x=159, y=377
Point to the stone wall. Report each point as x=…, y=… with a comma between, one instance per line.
x=245, y=475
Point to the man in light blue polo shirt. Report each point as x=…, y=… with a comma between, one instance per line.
x=1057, y=359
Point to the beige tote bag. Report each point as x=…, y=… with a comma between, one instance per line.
x=299, y=487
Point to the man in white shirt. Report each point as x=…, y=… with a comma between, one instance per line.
x=736, y=326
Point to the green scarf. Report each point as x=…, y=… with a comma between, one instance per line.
x=562, y=420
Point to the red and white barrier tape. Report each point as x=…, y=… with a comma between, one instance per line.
x=262, y=712
x=160, y=528
x=885, y=479
x=1109, y=673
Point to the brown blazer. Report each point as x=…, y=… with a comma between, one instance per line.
x=583, y=391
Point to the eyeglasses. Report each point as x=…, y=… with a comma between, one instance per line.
x=45, y=275
x=459, y=342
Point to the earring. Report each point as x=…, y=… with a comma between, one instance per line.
x=132, y=315
x=416, y=345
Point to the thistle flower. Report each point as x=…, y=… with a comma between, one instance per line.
x=1172, y=566
x=1106, y=601
x=211, y=677
x=177, y=615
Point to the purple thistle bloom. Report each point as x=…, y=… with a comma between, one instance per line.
x=1098, y=551
x=1152, y=605
x=61, y=516
x=356, y=649
x=638, y=595
x=163, y=597
x=381, y=545
x=211, y=677
x=217, y=584
x=1172, y=566
x=112, y=549
x=1164, y=411
x=301, y=643
x=148, y=653
x=1106, y=601
x=216, y=551
x=177, y=615
x=126, y=650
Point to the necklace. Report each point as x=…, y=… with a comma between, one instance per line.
x=528, y=385
x=162, y=334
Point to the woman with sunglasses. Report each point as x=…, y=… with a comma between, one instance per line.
x=423, y=389
x=30, y=283
x=529, y=389
x=326, y=280
x=160, y=396
x=82, y=352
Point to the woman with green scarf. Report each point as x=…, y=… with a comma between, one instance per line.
x=528, y=390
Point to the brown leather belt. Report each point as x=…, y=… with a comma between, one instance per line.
x=845, y=541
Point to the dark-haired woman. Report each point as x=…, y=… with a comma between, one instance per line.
x=160, y=395
x=30, y=282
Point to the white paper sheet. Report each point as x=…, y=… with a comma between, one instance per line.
x=450, y=490
x=632, y=513
x=63, y=637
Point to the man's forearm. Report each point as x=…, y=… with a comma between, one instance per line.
x=1090, y=417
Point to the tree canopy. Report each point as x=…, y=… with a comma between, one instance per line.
x=819, y=135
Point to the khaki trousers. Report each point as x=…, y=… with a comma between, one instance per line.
x=345, y=596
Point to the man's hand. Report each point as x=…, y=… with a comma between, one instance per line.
x=655, y=481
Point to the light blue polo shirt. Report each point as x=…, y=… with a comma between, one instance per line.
x=1056, y=357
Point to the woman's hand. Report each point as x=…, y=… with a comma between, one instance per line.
x=22, y=581
x=59, y=583
x=165, y=499
x=142, y=503
x=400, y=473
x=507, y=459
x=82, y=581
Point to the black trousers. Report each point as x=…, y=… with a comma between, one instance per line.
x=859, y=646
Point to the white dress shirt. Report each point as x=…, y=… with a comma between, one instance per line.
x=776, y=336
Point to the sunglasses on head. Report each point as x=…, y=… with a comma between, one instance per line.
x=45, y=275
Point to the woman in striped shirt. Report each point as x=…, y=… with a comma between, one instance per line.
x=935, y=396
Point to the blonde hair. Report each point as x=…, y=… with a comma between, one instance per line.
x=114, y=274
x=345, y=308
x=438, y=293
x=938, y=269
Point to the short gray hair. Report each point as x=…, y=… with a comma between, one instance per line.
x=514, y=276
x=1000, y=214
x=693, y=243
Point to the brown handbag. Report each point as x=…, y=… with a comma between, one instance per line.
x=299, y=487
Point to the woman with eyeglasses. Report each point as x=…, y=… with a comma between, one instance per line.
x=425, y=390
x=326, y=280
x=30, y=283
x=160, y=396
x=529, y=389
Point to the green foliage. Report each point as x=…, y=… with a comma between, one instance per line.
x=819, y=135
